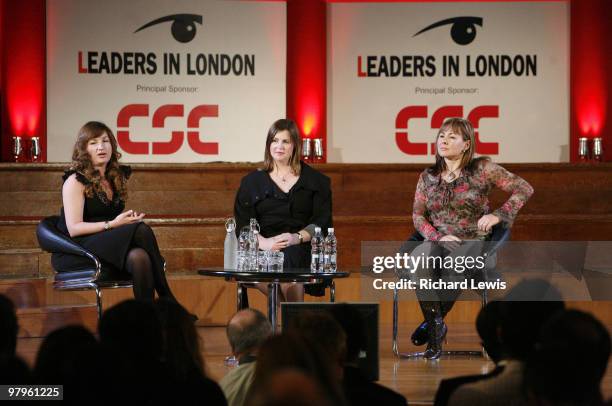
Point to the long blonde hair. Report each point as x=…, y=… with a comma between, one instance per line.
x=81, y=161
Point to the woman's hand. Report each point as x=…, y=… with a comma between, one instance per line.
x=272, y=244
x=127, y=217
x=275, y=243
x=450, y=242
x=290, y=238
x=487, y=221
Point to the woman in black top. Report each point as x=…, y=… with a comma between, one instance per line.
x=94, y=195
x=288, y=198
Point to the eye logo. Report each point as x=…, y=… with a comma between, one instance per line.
x=463, y=30
x=183, y=28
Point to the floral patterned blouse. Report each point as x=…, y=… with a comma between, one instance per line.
x=442, y=208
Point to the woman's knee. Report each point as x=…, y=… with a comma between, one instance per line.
x=137, y=256
x=144, y=230
x=144, y=237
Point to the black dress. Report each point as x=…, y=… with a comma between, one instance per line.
x=111, y=246
x=307, y=204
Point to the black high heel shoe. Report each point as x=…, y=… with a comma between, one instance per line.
x=437, y=333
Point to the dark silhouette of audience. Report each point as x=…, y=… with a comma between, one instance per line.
x=292, y=361
x=247, y=330
x=150, y=353
x=520, y=323
x=322, y=329
x=359, y=390
x=569, y=361
x=12, y=368
x=59, y=353
x=487, y=325
x=139, y=336
x=182, y=358
x=131, y=334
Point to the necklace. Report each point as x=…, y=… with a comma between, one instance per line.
x=450, y=176
x=282, y=177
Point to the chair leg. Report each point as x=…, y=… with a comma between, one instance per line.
x=239, y=289
x=332, y=291
x=395, y=311
x=99, y=301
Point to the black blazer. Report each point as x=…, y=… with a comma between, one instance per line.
x=308, y=203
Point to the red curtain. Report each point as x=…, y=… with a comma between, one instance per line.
x=307, y=67
x=22, y=73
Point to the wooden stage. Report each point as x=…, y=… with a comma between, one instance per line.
x=186, y=205
x=415, y=379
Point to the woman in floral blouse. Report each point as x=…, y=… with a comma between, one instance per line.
x=451, y=206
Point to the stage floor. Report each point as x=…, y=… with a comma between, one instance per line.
x=415, y=379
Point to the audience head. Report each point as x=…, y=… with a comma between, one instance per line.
x=289, y=387
x=323, y=330
x=181, y=349
x=291, y=351
x=8, y=327
x=569, y=361
x=59, y=352
x=12, y=369
x=488, y=327
x=132, y=328
x=526, y=307
x=247, y=330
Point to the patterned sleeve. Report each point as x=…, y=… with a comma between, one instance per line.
x=520, y=191
x=419, y=210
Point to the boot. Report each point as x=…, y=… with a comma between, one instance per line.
x=420, y=335
x=430, y=309
x=436, y=332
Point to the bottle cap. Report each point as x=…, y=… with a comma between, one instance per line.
x=330, y=230
x=317, y=229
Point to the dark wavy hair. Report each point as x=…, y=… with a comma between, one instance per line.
x=464, y=128
x=278, y=126
x=81, y=161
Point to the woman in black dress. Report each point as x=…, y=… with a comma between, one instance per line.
x=288, y=198
x=94, y=195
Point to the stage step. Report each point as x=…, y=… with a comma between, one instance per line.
x=40, y=321
x=187, y=242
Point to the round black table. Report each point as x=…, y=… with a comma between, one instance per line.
x=273, y=279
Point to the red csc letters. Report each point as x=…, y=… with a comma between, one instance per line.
x=420, y=148
x=158, y=121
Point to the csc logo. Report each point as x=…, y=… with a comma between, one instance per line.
x=420, y=148
x=159, y=118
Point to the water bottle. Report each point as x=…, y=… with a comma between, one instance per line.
x=316, y=251
x=253, y=243
x=254, y=249
x=230, y=246
x=330, y=251
x=242, y=254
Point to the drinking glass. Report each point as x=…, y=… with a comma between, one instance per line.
x=262, y=261
x=275, y=261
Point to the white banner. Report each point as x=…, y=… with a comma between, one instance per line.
x=178, y=81
x=396, y=70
